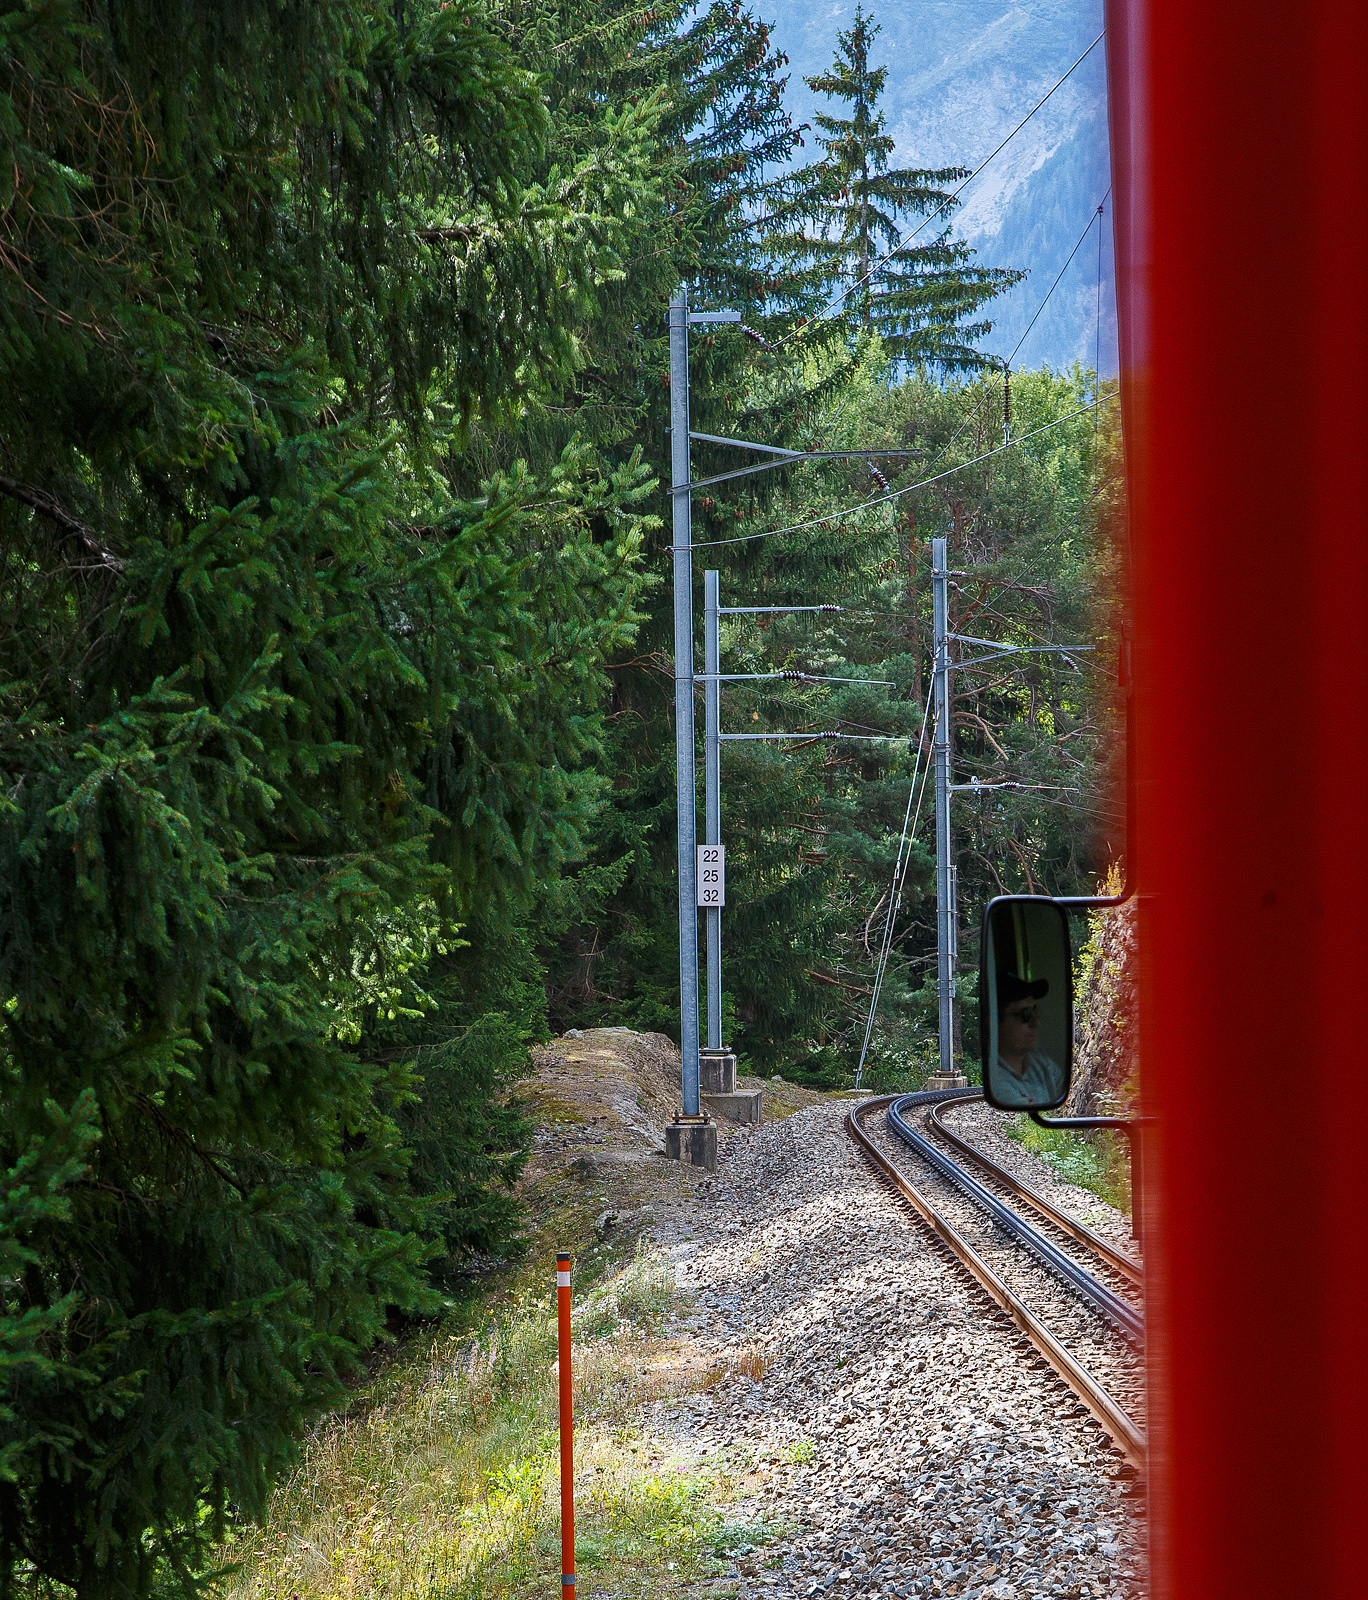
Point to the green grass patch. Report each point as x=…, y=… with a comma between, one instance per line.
x=441, y=1481
x=1092, y=1161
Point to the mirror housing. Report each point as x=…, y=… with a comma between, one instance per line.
x=1026, y=1003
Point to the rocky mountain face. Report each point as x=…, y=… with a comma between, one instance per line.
x=962, y=74
x=1105, y=1034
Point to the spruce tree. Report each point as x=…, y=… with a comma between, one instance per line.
x=284, y=698
x=839, y=223
x=606, y=931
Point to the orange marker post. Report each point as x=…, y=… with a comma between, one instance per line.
x=567, y=1428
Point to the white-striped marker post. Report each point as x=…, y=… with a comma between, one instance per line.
x=567, y=1427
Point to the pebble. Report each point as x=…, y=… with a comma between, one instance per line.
x=909, y=1441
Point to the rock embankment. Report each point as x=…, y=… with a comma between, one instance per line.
x=1104, y=1049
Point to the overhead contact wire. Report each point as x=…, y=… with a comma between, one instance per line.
x=1059, y=275
x=921, y=483
x=895, y=494
x=1049, y=293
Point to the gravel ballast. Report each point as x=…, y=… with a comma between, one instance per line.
x=908, y=1440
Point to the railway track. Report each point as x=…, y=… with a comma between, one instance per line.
x=1072, y=1294
x=1111, y=1258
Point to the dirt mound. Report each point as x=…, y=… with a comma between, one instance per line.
x=599, y=1101
x=606, y=1093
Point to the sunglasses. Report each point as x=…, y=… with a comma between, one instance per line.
x=1026, y=1014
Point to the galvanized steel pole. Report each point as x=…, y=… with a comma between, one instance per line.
x=945, y=930
x=712, y=799
x=685, y=755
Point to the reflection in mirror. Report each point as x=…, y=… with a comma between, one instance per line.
x=1026, y=1003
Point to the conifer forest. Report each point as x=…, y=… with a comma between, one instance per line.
x=336, y=681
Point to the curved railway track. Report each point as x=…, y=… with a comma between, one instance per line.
x=1111, y=1257
x=1117, y=1310
x=990, y=1239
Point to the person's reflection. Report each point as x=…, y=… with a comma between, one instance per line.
x=1025, y=1076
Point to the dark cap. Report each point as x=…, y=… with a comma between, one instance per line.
x=1011, y=988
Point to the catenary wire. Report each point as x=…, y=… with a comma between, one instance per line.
x=1097, y=337
x=964, y=421
x=900, y=868
x=894, y=494
x=1059, y=275
x=890, y=923
x=978, y=409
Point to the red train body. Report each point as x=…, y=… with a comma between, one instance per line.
x=1241, y=173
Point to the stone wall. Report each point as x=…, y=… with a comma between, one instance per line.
x=1105, y=1029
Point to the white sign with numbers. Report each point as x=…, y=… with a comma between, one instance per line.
x=712, y=874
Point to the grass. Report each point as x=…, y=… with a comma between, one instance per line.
x=1091, y=1161
x=441, y=1481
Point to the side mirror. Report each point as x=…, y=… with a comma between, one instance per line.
x=1026, y=1003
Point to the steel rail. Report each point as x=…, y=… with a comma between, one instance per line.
x=1120, y=1313
x=1113, y=1420
x=1115, y=1258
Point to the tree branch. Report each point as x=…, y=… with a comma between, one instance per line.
x=968, y=716
x=49, y=506
x=836, y=983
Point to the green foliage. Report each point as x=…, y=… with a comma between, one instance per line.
x=464, y=1042
x=899, y=1064
x=32, y=1198
x=283, y=694
x=468, y=1145
x=1091, y=1161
